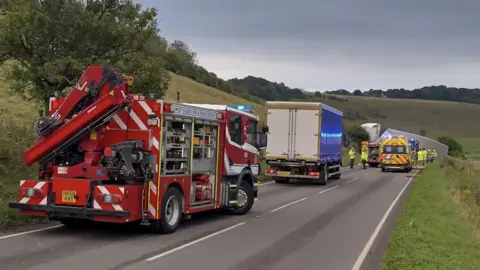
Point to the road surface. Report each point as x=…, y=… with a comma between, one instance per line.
x=292, y=226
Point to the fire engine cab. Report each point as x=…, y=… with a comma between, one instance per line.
x=105, y=155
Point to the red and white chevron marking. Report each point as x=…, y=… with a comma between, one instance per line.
x=138, y=116
x=108, y=190
x=42, y=185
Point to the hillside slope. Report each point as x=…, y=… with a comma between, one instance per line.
x=438, y=118
x=194, y=92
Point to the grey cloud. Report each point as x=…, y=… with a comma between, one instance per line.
x=411, y=38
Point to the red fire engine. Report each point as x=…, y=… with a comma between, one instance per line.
x=105, y=155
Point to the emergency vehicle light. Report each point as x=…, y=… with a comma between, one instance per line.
x=245, y=108
x=331, y=135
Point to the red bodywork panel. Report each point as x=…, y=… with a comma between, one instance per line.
x=76, y=191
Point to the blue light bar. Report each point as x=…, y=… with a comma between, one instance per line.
x=245, y=108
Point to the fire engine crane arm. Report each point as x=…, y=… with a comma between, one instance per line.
x=98, y=96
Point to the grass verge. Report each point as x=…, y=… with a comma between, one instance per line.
x=14, y=139
x=435, y=229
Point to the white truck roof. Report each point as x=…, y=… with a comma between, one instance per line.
x=218, y=107
x=301, y=105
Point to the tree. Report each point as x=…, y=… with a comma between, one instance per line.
x=423, y=132
x=357, y=92
x=356, y=134
x=49, y=43
x=180, y=59
x=455, y=149
x=318, y=94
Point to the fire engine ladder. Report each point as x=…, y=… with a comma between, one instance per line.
x=102, y=120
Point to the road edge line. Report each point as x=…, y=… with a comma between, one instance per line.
x=163, y=254
x=361, y=258
x=29, y=232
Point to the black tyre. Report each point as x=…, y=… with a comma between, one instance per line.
x=324, y=176
x=245, y=199
x=171, y=212
x=383, y=169
x=338, y=175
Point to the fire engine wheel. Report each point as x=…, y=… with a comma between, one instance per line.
x=171, y=212
x=245, y=199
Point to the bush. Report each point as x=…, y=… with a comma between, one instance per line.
x=455, y=149
x=356, y=133
x=15, y=138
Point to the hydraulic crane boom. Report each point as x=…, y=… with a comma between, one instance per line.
x=99, y=94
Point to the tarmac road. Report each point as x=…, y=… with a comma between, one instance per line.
x=292, y=226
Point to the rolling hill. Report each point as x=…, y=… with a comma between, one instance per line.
x=438, y=118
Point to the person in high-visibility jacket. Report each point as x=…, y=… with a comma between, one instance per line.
x=351, y=155
x=422, y=156
x=434, y=155
x=429, y=156
x=364, y=158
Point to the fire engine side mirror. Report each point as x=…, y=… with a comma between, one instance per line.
x=262, y=141
x=265, y=129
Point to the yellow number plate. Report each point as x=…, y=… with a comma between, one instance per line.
x=69, y=196
x=283, y=173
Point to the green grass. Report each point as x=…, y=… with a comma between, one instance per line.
x=438, y=118
x=433, y=231
x=471, y=147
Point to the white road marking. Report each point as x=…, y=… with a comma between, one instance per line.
x=368, y=246
x=328, y=189
x=353, y=179
x=28, y=232
x=288, y=204
x=266, y=183
x=194, y=242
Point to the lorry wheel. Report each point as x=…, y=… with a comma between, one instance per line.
x=338, y=175
x=245, y=199
x=383, y=169
x=171, y=212
x=324, y=176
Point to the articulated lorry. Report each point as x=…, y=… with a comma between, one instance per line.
x=105, y=155
x=304, y=141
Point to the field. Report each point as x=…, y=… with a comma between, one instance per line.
x=440, y=118
x=471, y=146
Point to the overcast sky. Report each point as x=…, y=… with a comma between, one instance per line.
x=331, y=44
